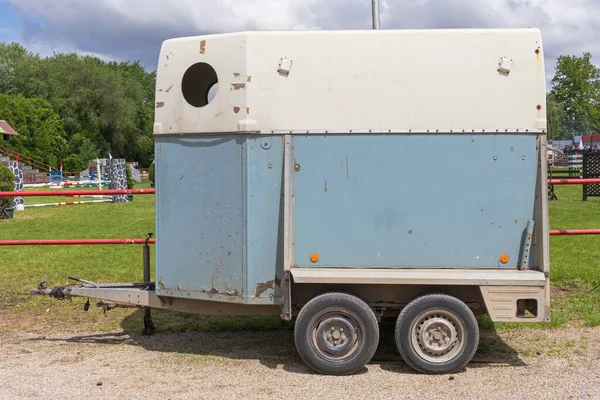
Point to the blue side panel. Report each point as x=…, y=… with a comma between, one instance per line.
x=200, y=217
x=448, y=201
x=265, y=234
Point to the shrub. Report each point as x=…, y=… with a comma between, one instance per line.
x=130, y=183
x=6, y=185
x=151, y=172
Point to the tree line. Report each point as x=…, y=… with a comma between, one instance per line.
x=74, y=109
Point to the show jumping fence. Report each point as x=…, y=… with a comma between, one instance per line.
x=115, y=180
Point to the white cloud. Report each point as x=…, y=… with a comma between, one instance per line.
x=134, y=29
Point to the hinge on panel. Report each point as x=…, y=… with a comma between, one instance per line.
x=286, y=311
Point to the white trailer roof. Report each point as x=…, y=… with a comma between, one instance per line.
x=336, y=81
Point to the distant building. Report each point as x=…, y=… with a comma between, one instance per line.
x=6, y=130
x=591, y=140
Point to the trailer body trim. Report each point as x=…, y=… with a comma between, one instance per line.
x=420, y=276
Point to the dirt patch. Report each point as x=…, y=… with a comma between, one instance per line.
x=265, y=365
x=558, y=293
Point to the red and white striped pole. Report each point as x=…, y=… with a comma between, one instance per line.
x=68, y=203
x=78, y=192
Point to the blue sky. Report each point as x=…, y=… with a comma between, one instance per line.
x=134, y=29
x=10, y=26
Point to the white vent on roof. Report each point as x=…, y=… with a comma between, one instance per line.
x=285, y=66
x=504, y=65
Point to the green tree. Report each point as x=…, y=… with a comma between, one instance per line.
x=555, y=114
x=576, y=86
x=110, y=105
x=16, y=66
x=41, y=133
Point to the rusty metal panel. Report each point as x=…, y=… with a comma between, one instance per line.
x=219, y=218
x=265, y=224
x=200, y=223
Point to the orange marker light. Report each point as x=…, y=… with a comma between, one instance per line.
x=504, y=258
x=314, y=257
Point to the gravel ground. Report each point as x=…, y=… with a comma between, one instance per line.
x=561, y=363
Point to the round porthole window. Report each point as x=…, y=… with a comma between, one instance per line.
x=199, y=84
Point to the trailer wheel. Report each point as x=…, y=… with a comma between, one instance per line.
x=437, y=334
x=336, y=334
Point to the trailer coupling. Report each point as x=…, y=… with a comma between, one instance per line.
x=109, y=295
x=59, y=292
x=64, y=293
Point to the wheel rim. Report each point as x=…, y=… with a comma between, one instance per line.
x=336, y=336
x=437, y=336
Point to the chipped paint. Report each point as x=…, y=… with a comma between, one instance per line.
x=264, y=286
x=410, y=231
x=202, y=46
x=169, y=88
x=249, y=78
x=325, y=185
x=236, y=74
x=238, y=86
x=247, y=110
x=236, y=110
x=160, y=104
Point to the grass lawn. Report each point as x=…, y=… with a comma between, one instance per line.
x=575, y=267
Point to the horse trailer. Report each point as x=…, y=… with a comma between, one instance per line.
x=338, y=177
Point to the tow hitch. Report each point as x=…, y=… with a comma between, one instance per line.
x=132, y=294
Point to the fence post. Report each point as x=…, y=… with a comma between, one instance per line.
x=17, y=169
x=118, y=179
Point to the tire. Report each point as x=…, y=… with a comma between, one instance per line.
x=336, y=334
x=448, y=323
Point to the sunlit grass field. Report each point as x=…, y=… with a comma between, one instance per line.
x=575, y=266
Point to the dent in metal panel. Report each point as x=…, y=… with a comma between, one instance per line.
x=200, y=218
x=449, y=201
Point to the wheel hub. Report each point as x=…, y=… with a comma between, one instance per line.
x=437, y=335
x=336, y=336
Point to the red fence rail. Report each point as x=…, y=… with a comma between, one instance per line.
x=579, y=181
x=569, y=232
x=62, y=242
